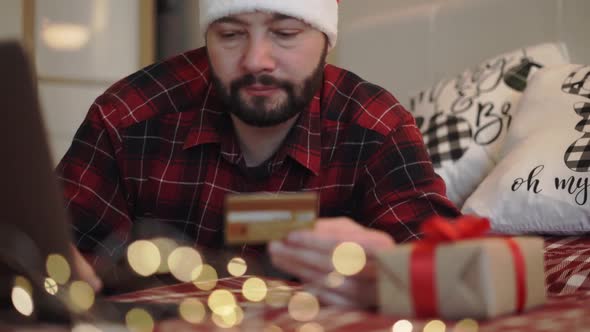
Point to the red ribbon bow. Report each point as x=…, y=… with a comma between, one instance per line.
x=439, y=229
x=422, y=261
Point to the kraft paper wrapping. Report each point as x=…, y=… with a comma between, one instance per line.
x=474, y=278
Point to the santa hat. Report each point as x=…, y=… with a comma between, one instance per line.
x=320, y=14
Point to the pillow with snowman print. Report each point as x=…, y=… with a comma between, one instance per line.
x=465, y=118
x=541, y=184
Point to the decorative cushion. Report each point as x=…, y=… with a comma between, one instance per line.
x=464, y=119
x=541, y=184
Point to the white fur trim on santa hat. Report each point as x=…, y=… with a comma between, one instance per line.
x=321, y=14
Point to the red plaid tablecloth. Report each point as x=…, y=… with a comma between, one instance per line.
x=567, y=265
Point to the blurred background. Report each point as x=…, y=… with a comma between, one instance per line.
x=80, y=47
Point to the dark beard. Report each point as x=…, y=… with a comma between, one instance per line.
x=298, y=98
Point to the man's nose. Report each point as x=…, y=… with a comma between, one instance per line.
x=259, y=56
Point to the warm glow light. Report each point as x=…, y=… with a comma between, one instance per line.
x=272, y=328
x=185, y=263
x=237, y=267
x=220, y=321
x=51, y=286
x=466, y=325
x=58, y=269
x=334, y=280
x=254, y=289
x=21, y=297
x=81, y=296
x=83, y=327
x=435, y=326
x=165, y=246
x=192, y=311
x=303, y=307
x=139, y=320
x=24, y=284
x=144, y=257
x=206, y=279
x=65, y=36
x=310, y=327
x=222, y=302
x=402, y=326
x=278, y=294
x=349, y=258
x=235, y=317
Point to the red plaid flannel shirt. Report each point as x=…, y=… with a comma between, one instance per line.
x=159, y=145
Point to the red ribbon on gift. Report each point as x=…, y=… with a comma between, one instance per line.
x=439, y=230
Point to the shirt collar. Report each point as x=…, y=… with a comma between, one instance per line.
x=303, y=144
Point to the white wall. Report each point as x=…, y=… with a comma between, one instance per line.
x=81, y=48
x=11, y=19
x=407, y=45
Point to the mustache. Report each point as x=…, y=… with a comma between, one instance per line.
x=265, y=80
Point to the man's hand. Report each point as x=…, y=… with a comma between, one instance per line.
x=83, y=270
x=308, y=256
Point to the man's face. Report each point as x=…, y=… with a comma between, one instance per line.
x=266, y=67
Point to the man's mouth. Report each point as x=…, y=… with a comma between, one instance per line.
x=261, y=90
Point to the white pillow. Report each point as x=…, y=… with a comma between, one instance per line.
x=542, y=182
x=465, y=118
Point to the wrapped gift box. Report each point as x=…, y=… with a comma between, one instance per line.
x=475, y=278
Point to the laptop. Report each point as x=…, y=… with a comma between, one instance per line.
x=33, y=220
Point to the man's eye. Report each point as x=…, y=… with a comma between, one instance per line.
x=286, y=34
x=231, y=35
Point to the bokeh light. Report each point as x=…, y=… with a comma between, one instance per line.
x=311, y=327
x=435, y=326
x=334, y=280
x=206, y=278
x=85, y=327
x=466, y=325
x=21, y=296
x=303, y=307
x=222, y=302
x=192, y=311
x=402, y=326
x=50, y=286
x=81, y=296
x=65, y=36
x=272, y=328
x=144, y=257
x=58, y=269
x=233, y=318
x=23, y=283
x=349, y=258
x=217, y=320
x=237, y=267
x=185, y=263
x=254, y=289
x=165, y=246
x=139, y=320
x=278, y=295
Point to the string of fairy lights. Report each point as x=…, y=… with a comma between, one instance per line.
x=164, y=255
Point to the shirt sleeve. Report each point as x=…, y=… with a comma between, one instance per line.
x=93, y=189
x=401, y=189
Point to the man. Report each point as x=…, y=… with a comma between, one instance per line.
x=257, y=109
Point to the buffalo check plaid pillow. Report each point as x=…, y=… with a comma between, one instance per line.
x=542, y=184
x=464, y=119
x=447, y=139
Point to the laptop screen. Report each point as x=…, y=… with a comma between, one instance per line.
x=33, y=221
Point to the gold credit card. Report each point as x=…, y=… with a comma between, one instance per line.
x=259, y=218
